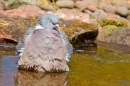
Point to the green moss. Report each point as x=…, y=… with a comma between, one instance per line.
x=108, y=29
x=75, y=26
x=116, y=22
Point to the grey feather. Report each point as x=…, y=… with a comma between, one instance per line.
x=68, y=45
x=23, y=41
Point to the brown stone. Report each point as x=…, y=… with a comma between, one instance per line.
x=101, y=5
x=118, y=2
x=81, y=4
x=112, y=16
x=109, y=8
x=119, y=35
x=94, y=2
x=99, y=14
x=122, y=11
x=65, y=3
x=92, y=8
x=30, y=8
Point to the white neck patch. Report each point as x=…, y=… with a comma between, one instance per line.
x=38, y=27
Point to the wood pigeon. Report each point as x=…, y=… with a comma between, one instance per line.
x=44, y=48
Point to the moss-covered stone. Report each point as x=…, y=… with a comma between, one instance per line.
x=109, y=29
x=116, y=22
x=13, y=27
x=79, y=32
x=76, y=27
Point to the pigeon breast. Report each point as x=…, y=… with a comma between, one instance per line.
x=46, y=51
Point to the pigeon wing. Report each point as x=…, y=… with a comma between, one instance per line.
x=23, y=41
x=67, y=44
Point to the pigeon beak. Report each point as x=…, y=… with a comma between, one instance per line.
x=57, y=27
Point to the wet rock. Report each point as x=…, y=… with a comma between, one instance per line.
x=119, y=48
x=120, y=36
x=109, y=8
x=99, y=14
x=78, y=31
x=2, y=6
x=65, y=3
x=122, y=11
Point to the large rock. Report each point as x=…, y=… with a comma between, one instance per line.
x=109, y=8
x=122, y=11
x=65, y=3
x=78, y=31
x=13, y=27
x=114, y=35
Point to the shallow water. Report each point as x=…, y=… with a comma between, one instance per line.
x=90, y=66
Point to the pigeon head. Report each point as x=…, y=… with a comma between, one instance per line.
x=48, y=21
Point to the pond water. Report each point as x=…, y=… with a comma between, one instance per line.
x=90, y=66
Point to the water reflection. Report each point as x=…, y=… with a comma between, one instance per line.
x=26, y=78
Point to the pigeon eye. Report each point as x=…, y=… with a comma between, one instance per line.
x=49, y=21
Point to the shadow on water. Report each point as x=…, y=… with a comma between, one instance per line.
x=91, y=65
